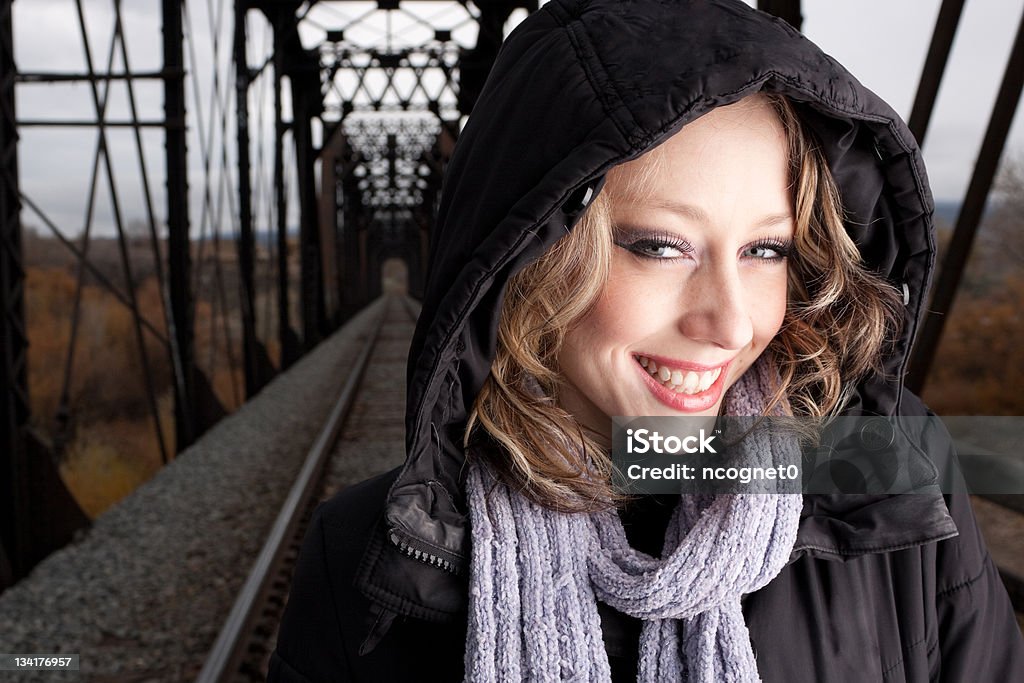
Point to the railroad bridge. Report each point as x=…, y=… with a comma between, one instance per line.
x=193, y=354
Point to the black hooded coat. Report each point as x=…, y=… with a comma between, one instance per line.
x=894, y=588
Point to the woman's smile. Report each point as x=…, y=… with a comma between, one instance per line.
x=681, y=385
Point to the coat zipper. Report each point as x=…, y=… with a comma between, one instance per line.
x=408, y=545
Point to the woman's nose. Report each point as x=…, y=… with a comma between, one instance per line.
x=717, y=307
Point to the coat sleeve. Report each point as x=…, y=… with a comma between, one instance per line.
x=979, y=638
x=309, y=642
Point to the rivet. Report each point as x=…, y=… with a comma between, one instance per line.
x=877, y=434
x=579, y=199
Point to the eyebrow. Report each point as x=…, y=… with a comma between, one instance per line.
x=695, y=213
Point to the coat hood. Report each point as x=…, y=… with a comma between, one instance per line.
x=576, y=89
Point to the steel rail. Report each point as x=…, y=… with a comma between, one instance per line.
x=227, y=651
x=412, y=306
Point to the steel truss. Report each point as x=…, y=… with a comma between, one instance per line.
x=393, y=100
x=37, y=514
x=378, y=109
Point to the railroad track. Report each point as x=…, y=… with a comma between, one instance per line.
x=369, y=411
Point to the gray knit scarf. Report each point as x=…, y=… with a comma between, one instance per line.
x=536, y=576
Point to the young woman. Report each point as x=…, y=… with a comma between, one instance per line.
x=656, y=208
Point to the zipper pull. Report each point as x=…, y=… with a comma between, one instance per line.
x=383, y=618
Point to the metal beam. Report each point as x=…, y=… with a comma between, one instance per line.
x=178, y=243
x=86, y=123
x=331, y=152
x=934, y=67
x=53, y=77
x=286, y=335
x=246, y=248
x=311, y=295
x=303, y=70
x=475, y=64
x=37, y=513
x=13, y=338
x=784, y=9
x=971, y=211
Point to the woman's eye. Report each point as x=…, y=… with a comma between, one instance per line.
x=659, y=250
x=655, y=247
x=767, y=251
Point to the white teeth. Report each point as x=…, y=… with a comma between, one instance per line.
x=708, y=378
x=691, y=382
x=679, y=381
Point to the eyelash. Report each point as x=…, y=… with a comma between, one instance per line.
x=781, y=247
x=655, y=241
x=664, y=240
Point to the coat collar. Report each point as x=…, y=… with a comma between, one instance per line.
x=842, y=527
x=837, y=527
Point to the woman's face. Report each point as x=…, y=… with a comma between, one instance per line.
x=697, y=287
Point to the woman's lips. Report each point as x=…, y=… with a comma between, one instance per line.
x=684, y=402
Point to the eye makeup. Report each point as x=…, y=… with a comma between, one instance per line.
x=656, y=245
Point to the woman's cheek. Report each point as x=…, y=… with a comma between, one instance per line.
x=772, y=294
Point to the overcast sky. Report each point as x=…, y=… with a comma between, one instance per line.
x=882, y=42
